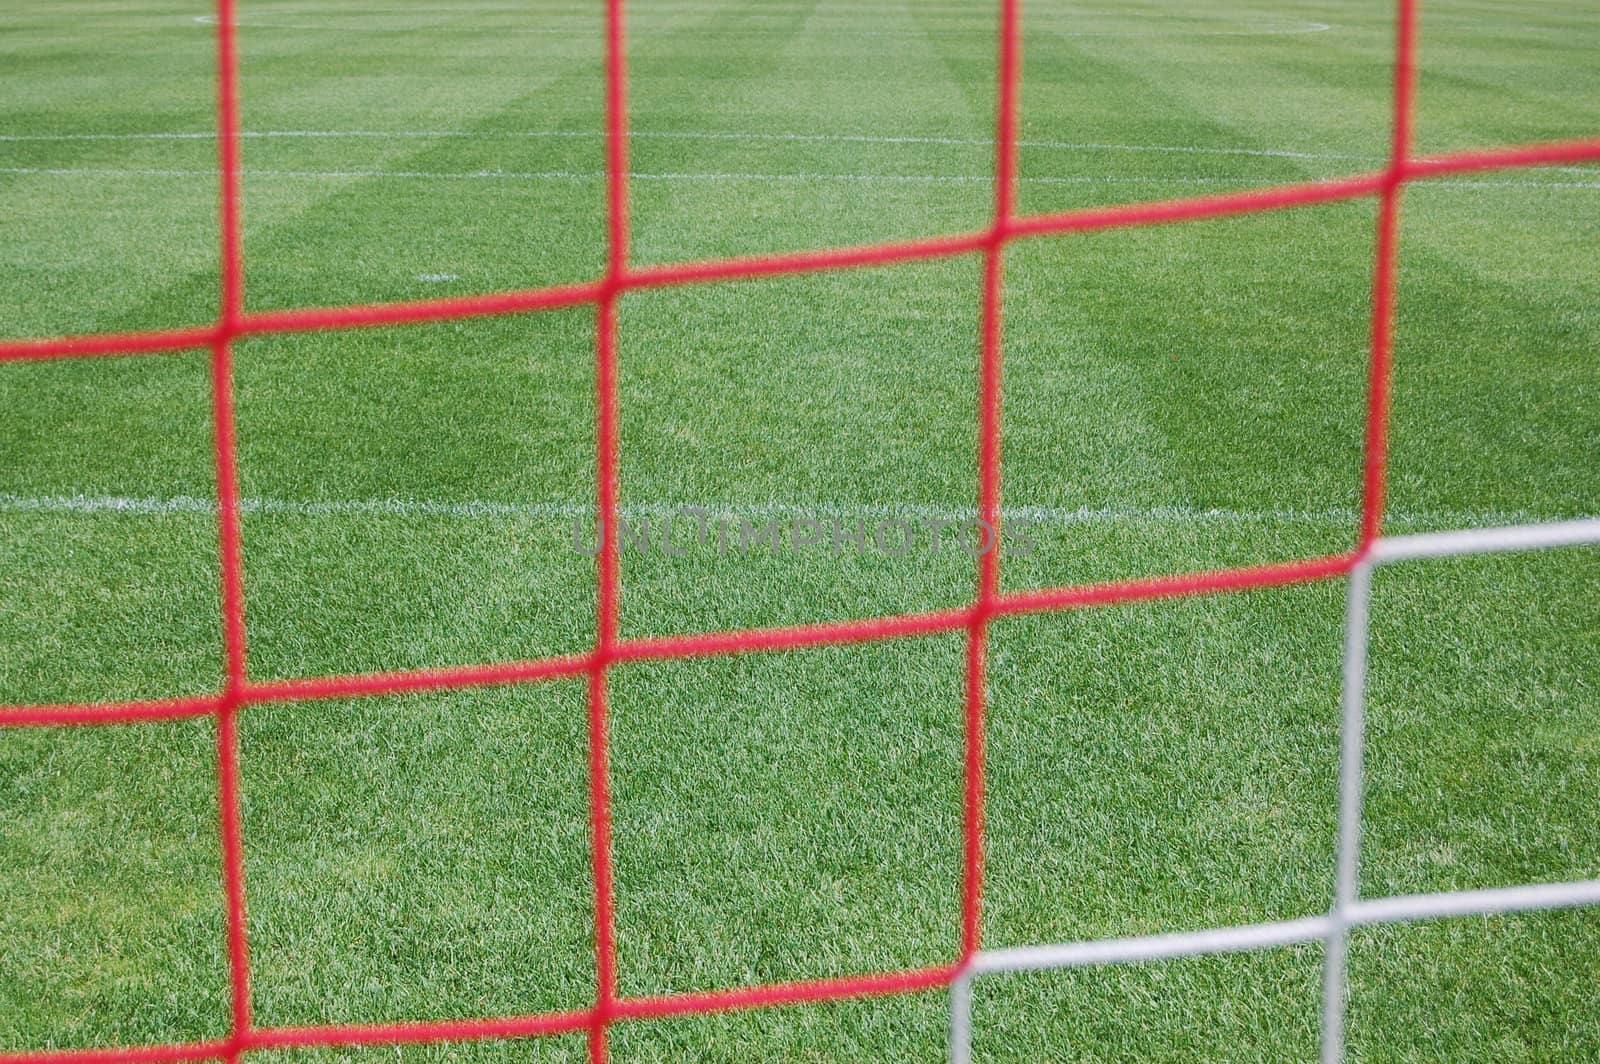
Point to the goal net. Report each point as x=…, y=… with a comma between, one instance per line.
x=1348, y=910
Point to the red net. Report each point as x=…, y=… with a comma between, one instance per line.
x=989, y=602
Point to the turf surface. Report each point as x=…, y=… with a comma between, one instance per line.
x=1177, y=398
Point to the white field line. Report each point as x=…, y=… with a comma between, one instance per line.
x=574, y=175
x=656, y=7
x=596, y=175
x=188, y=504
x=1247, y=28
x=714, y=135
x=826, y=138
x=768, y=10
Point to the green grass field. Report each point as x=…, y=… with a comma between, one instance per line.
x=1181, y=398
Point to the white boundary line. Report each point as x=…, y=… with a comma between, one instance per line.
x=725, y=135
x=401, y=507
x=665, y=134
x=598, y=175
x=717, y=134
x=1348, y=909
x=1285, y=27
x=642, y=134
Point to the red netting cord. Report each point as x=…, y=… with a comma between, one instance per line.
x=232, y=554
x=1054, y=223
x=608, y=567
x=1385, y=276
x=989, y=397
x=990, y=602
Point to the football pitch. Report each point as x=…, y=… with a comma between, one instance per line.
x=1176, y=399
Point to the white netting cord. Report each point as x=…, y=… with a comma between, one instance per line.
x=1349, y=910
